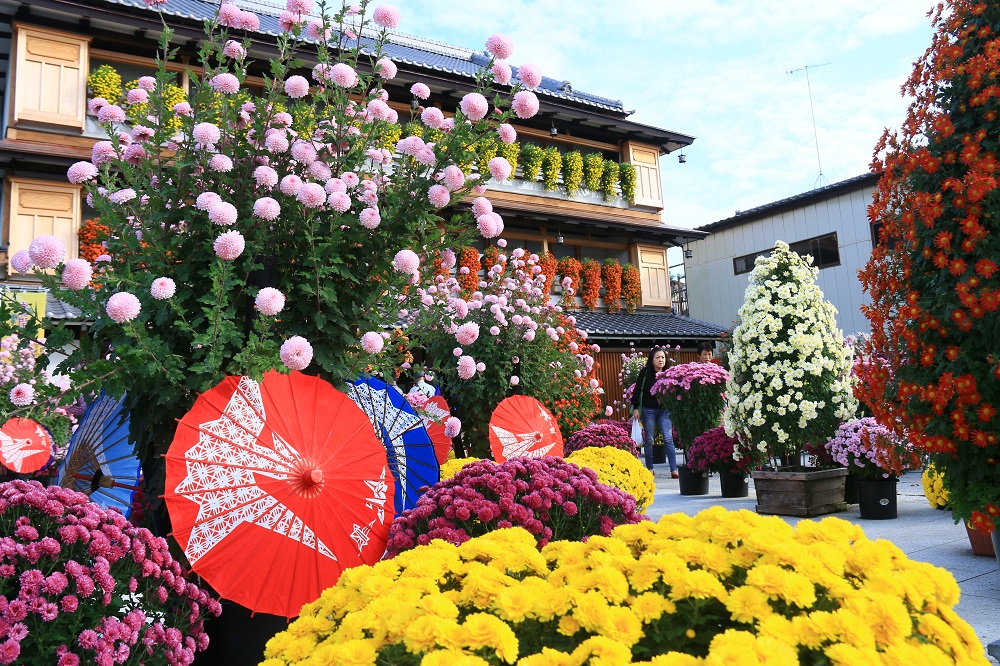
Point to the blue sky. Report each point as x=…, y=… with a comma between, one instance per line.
x=717, y=70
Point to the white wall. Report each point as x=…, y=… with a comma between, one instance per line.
x=715, y=294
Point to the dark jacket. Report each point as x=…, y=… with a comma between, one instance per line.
x=643, y=385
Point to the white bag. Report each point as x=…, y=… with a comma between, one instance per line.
x=637, y=433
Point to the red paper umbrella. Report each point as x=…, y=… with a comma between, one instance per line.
x=521, y=427
x=25, y=445
x=275, y=488
x=436, y=412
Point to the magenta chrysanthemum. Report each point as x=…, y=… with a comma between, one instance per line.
x=269, y=301
x=296, y=353
x=467, y=333
x=372, y=342
x=525, y=104
x=21, y=261
x=222, y=213
x=266, y=208
x=81, y=172
x=406, y=261
x=77, y=273
x=46, y=251
x=220, y=163
x=387, y=16
x=22, y=395
x=500, y=45
x=229, y=245
x=311, y=195
x=439, y=196
x=420, y=91
x=507, y=133
x=466, y=367
x=296, y=86
x=123, y=307
x=499, y=168
x=386, y=68
x=370, y=218
x=530, y=75
x=162, y=288
x=474, y=106
x=206, y=134
x=111, y=113
x=225, y=83
x=344, y=75
x=502, y=73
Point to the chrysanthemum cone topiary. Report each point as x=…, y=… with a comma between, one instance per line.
x=549, y=497
x=718, y=588
x=934, y=278
x=600, y=435
x=618, y=468
x=79, y=584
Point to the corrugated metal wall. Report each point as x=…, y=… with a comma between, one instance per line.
x=610, y=364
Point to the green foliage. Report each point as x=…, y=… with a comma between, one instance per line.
x=106, y=82
x=609, y=180
x=627, y=177
x=593, y=169
x=572, y=172
x=551, y=167
x=531, y=161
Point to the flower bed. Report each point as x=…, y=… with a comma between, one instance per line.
x=551, y=498
x=601, y=435
x=83, y=585
x=620, y=469
x=734, y=587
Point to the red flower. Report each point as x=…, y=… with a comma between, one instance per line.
x=986, y=267
x=986, y=412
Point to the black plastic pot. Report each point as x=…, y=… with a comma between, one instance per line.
x=659, y=454
x=692, y=482
x=877, y=498
x=735, y=484
x=851, y=489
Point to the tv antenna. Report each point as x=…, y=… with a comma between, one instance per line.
x=821, y=179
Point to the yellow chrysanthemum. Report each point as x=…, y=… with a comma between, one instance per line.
x=748, y=604
x=591, y=611
x=350, y=653
x=672, y=659
x=618, y=468
x=697, y=584
x=481, y=630
x=568, y=626
x=933, y=483
x=452, y=467
x=649, y=606
x=602, y=650
x=299, y=648
x=643, y=574
x=452, y=657
x=548, y=657
x=515, y=603
x=439, y=605
x=622, y=625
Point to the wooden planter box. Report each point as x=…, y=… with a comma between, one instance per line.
x=803, y=494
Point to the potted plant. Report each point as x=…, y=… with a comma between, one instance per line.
x=715, y=451
x=876, y=457
x=790, y=383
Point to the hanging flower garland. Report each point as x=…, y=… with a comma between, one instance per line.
x=550, y=266
x=609, y=180
x=631, y=287
x=590, y=291
x=593, y=168
x=570, y=268
x=552, y=162
x=627, y=177
x=468, y=269
x=611, y=276
x=531, y=161
x=572, y=172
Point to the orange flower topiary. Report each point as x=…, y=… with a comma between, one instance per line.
x=631, y=287
x=569, y=267
x=468, y=258
x=590, y=289
x=611, y=276
x=549, y=265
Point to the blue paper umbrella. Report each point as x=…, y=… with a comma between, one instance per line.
x=100, y=460
x=408, y=446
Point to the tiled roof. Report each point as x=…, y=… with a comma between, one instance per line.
x=645, y=325
x=405, y=49
x=796, y=201
x=56, y=309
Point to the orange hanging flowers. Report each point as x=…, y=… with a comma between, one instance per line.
x=590, y=288
x=611, y=276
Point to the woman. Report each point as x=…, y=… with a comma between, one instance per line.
x=705, y=351
x=646, y=406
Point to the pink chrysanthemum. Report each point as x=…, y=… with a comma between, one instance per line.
x=22, y=395
x=248, y=21
x=103, y=152
x=474, y=106
x=276, y=142
x=515, y=380
x=420, y=91
x=46, y=251
x=387, y=16
x=296, y=86
x=452, y=426
x=300, y=6
x=432, y=117
x=137, y=96
x=147, y=83
x=94, y=105
x=500, y=45
x=316, y=31
x=183, y=109
x=453, y=178
x=220, y=163
x=386, y=68
x=448, y=258
x=122, y=196
x=296, y=353
x=319, y=170
x=507, y=133
x=525, y=104
x=225, y=83
x=339, y=201
x=344, y=75
x=206, y=200
x=335, y=185
x=142, y=133
x=350, y=178
x=162, y=288
x=229, y=15
x=530, y=75
x=206, y=134
x=426, y=155
x=466, y=367
x=229, y=246
x=234, y=50
x=265, y=176
x=499, y=168
x=438, y=196
x=269, y=301
x=406, y=261
x=290, y=185
x=222, y=213
x=266, y=208
x=123, y=307
x=303, y=152
x=481, y=206
x=372, y=342
x=81, y=172
x=312, y=195
x=502, y=73
x=370, y=218
x=467, y=333
x=77, y=273
x=490, y=225
x=288, y=20
x=111, y=113
x=21, y=261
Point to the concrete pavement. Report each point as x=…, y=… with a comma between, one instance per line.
x=923, y=533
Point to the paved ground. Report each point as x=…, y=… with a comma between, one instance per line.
x=922, y=532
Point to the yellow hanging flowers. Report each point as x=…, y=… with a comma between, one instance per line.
x=718, y=588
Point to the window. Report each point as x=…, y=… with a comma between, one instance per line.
x=824, y=250
x=43, y=207
x=50, y=77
